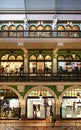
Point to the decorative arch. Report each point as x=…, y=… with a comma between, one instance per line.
x=42, y=87
x=69, y=88
x=10, y=88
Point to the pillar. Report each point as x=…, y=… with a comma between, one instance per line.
x=26, y=62
x=23, y=111
x=55, y=61
x=58, y=108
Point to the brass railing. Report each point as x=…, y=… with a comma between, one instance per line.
x=40, y=34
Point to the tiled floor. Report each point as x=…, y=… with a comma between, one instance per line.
x=40, y=128
x=28, y=125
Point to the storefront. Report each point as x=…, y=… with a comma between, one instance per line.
x=9, y=105
x=40, y=105
x=71, y=104
x=40, y=62
x=11, y=61
x=69, y=61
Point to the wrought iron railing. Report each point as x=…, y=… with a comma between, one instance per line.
x=40, y=34
x=53, y=77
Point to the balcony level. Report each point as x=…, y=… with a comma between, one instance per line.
x=38, y=37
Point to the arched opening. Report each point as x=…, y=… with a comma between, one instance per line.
x=20, y=29
x=48, y=31
x=4, y=31
x=40, y=103
x=61, y=29
x=9, y=104
x=71, y=103
x=12, y=29
x=32, y=31
x=76, y=29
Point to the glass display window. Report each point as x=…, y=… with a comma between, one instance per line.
x=71, y=104
x=9, y=105
x=40, y=109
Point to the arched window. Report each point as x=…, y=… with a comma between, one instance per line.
x=68, y=57
x=4, y=57
x=20, y=28
x=48, y=29
x=4, y=31
x=11, y=57
x=69, y=33
x=48, y=57
x=32, y=31
x=32, y=57
x=60, y=29
x=40, y=28
x=76, y=29
x=19, y=57
x=12, y=29
x=60, y=57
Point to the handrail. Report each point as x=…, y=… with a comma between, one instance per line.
x=40, y=33
x=52, y=77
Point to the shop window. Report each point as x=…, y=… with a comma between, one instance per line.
x=4, y=31
x=40, y=108
x=9, y=105
x=60, y=29
x=71, y=104
x=48, y=29
x=12, y=29
x=76, y=29
x=33, y=31
x=20, y=29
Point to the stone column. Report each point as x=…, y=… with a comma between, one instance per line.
x=26, y=62
x=55, y=61
x=23, y=111
x=58, y=108
x=60, y=88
